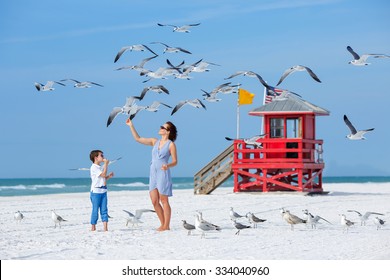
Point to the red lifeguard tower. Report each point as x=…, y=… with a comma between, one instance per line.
x=290, y=158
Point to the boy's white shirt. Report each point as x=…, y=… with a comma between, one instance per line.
x=97, y=181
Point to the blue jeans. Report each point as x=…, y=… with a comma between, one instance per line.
x=99, y=202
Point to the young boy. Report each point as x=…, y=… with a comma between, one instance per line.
x=99, y=188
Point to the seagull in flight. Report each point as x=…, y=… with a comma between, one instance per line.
x=169, y=49
x=79, y=84
x=158, y=89
x=364, y=218
x=135, y=219
x=87, y=169
x=140, y=47
x=139, y=67
x=57, y=219
x=183, y=28
x=193, y=102
x=188, y=227
x=297, y=68
x=210, y=96
x=151, y=108
x=200, y=66
x=18, y=216
x=361, y=60
x=251, y=141
x=48, y=86
x=355, y=134
x=125, y=109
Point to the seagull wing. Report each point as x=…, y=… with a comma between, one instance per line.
x=157, y=103
x=285, y=74
x=234, y=75
x=119, y=54
x=311, y=73
x=139, y=212
x=96, y=84
x=59, y=83
x=113, y=114
x=351, y=127
x=178, y=106
x=38, y=86
x=142, y=63
x=146, y=47
x=355, y=212
x=183, y=50
x=112, y=161
x=129, y=213
x=355, y=55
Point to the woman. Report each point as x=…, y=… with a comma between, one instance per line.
x=160, y=181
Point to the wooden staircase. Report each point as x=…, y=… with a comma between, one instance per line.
x=214, y=173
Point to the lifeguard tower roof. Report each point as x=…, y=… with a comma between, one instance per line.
x=289, y=103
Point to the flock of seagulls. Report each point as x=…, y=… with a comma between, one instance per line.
x=203, y=226
x=308, y=219
x=183, y=71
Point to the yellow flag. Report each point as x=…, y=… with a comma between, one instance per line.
x=245, y=97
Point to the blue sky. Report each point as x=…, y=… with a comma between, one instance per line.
x=45, y=134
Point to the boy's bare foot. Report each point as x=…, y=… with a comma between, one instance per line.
x=93, y=228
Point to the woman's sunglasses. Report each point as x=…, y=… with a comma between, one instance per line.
x=163, y=127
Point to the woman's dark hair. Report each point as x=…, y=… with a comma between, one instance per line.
x=172, y=131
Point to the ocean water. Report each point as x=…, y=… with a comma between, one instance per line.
x=42, y=186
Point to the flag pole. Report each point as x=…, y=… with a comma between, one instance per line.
x=238, y=114
x=262, y=123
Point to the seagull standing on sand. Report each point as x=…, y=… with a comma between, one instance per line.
x=203, y=225
x=378, y=222
x=133, y=48
x=297, y=68
x=135, y=219
x=292, y=219
x=79, y=84
x=364, y=218
x=254, y=220
x=48, y=86
x=345, y=223
x=239, y=226
x=361, y=60
x=183, y=28
x=194, y=103
x=188, y=227
x=18, y=216
x=234, y=215
x=355, y=134
x=57, y=219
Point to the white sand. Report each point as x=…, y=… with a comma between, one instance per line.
x=35, y=238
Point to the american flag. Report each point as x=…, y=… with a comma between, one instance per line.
x=270, y=95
